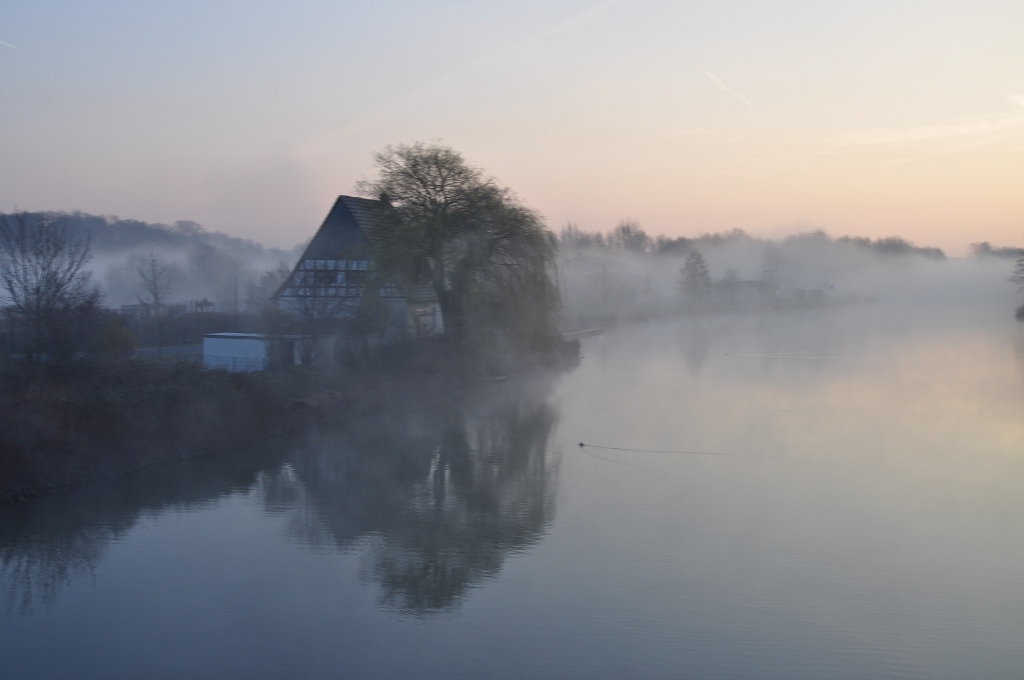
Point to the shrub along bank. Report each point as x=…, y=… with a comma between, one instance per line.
x=64, y=425
x=61, y=426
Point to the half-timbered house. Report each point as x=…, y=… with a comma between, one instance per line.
x=337, y=270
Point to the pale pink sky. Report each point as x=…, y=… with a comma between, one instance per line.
x=870, y=118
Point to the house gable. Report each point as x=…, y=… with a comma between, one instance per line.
x=337, y=263
x=331, y=277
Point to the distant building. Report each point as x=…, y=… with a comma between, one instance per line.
x=743, y=294
x=145, y=310
x=337, y=271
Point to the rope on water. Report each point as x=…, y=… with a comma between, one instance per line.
x=643, y=468
x=794, y=356
x=690, y=453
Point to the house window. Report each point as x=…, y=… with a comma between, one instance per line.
x=354, y=282
x=324, y=278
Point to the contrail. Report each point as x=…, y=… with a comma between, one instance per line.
x=8, y=45
x=729, y=89
x=583, y=16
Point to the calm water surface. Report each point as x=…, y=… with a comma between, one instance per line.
x=867, y=521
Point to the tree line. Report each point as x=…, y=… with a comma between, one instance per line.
x=628, y=236
x=111, y=234
x=441, y=222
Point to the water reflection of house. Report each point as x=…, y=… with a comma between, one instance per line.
x=337, y=273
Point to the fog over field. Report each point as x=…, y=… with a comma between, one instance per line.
x=202, y=264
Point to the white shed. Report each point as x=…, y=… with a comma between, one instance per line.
x=245, y=352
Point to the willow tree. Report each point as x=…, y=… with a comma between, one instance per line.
x=489, y=258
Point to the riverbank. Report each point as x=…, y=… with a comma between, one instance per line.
x=90, y=420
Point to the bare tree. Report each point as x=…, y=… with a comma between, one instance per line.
x=41, y=273
x=157, y=280
x=630, y=236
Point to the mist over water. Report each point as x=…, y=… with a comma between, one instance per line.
x=865, y=520
x=628, y=275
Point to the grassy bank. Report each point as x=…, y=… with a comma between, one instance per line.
x=63, y=426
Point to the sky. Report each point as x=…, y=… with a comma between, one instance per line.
x=874, y=118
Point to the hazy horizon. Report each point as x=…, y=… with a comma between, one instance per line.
x=876, y=120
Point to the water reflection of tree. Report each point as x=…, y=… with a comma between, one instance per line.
x=438, y=498
x=1018, y=351
x=48, y=544
x=42, y=563
x=695, y=343
x=804, y=333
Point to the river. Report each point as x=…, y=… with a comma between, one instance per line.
x=831, y=493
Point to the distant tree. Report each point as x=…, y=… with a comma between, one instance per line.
x=572, y=237
x=1018, y=280
x=1018, y=273
x=225, y=275
x=722, y=238
x=258, y=297
x=892, y=246
x=630, y=236
x=445, y=222
x=695, y=278
x=41, y=273
x=109, y=234
x=664, y=245
x=986, y=249
x=157, y=280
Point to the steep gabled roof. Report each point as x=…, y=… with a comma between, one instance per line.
x=344, y=230
x=345, y=234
